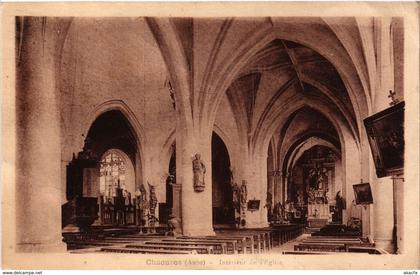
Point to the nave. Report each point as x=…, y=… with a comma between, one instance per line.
x=288, y=240
x=192, y=135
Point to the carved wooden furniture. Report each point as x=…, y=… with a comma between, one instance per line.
x=80, y=211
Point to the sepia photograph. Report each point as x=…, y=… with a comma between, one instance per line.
x=182, y=134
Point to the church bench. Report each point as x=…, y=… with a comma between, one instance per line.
x=320, y=247
x=332, y=238
x=137, y=236
x=251, y=242
x=143, y=250
x=263, y=235
x=243, y=242
x=177, y=247
x=261, y=239
x=291, y=252
x=365, y=249
x=232, y=244
x=218, y=247
x=333, y=241
x=282, y=233
x=75, y=244
x=144, y=238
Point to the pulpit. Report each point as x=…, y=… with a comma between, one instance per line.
x=81, y=209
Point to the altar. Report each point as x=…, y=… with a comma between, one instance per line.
x=318, y=215
x=318, y=204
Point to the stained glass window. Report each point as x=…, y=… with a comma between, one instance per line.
x=112, y=174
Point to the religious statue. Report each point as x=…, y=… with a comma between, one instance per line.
x=170, y=179
x=243, y=198
x=326, y=198
x=317, y=176
x=152, y=198
x=288, y=210
x=269, y=205
x=199, y=170
x=141, y=205
x=311, y=196
x=339, y=206
x=235, y=193
x=243, y=194
x=125, y=196
x=152, y=207
x=278, y=213
x=141, y=197
x=300, y=198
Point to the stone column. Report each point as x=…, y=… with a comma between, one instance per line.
x=383, y=187
x=177, y=200
x=399, y=218
x=197, y=216
x=38, y=186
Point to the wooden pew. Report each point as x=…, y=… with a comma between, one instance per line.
x=177, y=247
x=332, y=238
x=306, y=253
x=323, y=247
x=137, y=236
x=333, y=241
x=251, y=242
x=218, y=247
x=139, y=239
x=90, y=243
x=262, y=237
x=364, y=249
x=234, y=243
x=143, y=250
x=282, y=233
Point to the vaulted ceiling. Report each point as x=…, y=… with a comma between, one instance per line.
x=285, y=65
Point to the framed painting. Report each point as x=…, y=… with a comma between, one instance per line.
x=363, y=193
x=253, y=205
x=385, y=132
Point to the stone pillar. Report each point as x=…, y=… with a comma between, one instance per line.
x=399, y=218
x=383, y=187
x=177, y=200
x=197, y=216
x=38, y=186
x=383, y=213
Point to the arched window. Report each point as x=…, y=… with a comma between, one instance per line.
x=112, y=174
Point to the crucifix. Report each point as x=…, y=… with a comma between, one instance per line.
x=391, y=95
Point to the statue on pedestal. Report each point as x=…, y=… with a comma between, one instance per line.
x=243, y=194
x=236, y=196
x=199, y=170
x=269, y=206
x=300, y=198
x=152, y=208
x=141, y=206
x=243, y=199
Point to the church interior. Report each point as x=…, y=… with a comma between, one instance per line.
x=210, y=135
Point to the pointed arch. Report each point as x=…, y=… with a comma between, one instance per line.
x=134, y=125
